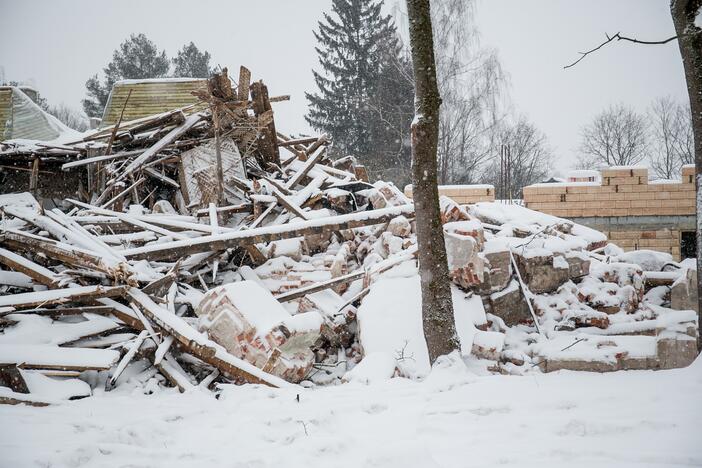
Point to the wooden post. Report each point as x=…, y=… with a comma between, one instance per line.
x=34, y=177
x=267, y=140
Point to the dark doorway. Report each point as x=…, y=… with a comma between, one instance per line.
x=688, y=245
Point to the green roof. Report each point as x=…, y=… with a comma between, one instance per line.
x=152, y=96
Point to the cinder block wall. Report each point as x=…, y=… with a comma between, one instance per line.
x=623, y=192
x=463, y=194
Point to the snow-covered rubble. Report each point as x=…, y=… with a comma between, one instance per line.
x=310, y=278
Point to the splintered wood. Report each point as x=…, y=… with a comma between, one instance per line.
x=164, y=211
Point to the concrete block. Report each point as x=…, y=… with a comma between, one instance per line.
x=510, y=305
x=683, y=294
x=543, y=274
x=676, y=352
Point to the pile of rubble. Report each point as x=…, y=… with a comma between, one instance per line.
x=192, y=254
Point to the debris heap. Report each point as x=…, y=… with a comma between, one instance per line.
x=201, y=246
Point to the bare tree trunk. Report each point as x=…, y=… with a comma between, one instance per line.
x=684, y=13
x=437, y=308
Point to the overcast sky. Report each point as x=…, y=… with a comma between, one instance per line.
x=56, y=46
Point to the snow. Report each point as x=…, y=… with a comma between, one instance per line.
x=374, y=367
x=55, y=356
x=689, y=263
x=452, y=419
x=626, y=168
x=581, y=173
x=649, y=260
x=408, y=188
x=34, y=329
x=565, y=184
x=51, y=295
x=517, y=215
x=275, y=229
x=664, y=181
x=47, y=388
x=157, y=80
x=390, y=321
x=591, y=348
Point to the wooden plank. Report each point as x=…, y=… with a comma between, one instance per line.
x=297, y=293
x=60, y=296
x=267, y=141
x=308, y=165
x=54, y=357
x=119, y=122
x=241, y=208
x=110, y=202
x=97, y=159
x=266, y=234
x=244, y=83
x=35, y=271
x=297, y=141
x=289, y=205
x=174, y=134
x=98, y=310
x=65, y=253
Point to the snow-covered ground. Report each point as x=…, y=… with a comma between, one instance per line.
x=454, y=418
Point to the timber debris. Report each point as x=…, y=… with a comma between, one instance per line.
x=202, y=246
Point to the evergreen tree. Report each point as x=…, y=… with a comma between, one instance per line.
x=136, y=58
x=365, y=88
x=192, y=63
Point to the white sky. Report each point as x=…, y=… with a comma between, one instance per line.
x=57, y=46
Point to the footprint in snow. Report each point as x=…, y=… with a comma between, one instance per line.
x=375, y=408
x=488, y=410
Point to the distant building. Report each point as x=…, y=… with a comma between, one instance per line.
x=632, y=211
x=21, y=117
x=152, y=96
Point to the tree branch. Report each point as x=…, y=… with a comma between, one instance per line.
x=619, y=37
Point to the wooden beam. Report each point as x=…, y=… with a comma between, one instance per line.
x=54, y=357
x=267, y=141
x=308, y=165
x=227, y=240
x=290, y=295
x=60, y=296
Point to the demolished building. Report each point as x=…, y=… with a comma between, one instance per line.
x=209, y=247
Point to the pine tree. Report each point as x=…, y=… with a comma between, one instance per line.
x=365, y=99
x=136, y=58
x=192, y=63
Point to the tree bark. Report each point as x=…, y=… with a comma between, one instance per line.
x=437, y=307
x=684, y=13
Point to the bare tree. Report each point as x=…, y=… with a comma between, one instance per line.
x=687, y=19
x=73, y=118
x=671, y=143
x=471, y=83
x=472, y=87
x=437, y=306
x=531, y=156
x=615, y=137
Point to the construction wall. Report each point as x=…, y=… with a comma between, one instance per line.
x=463, y=194
x=633, y=212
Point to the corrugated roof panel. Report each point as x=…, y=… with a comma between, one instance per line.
x=151, y=97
